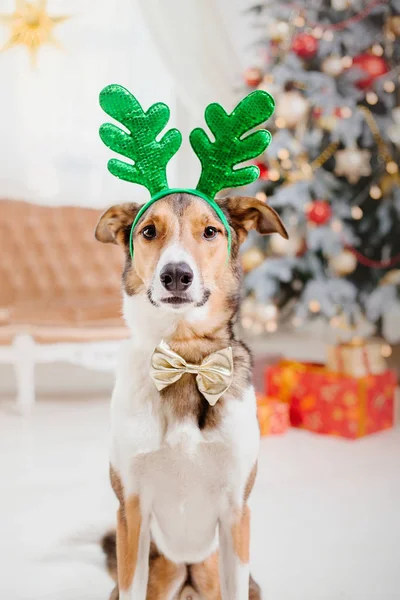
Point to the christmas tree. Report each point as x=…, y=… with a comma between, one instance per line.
x=331, y=170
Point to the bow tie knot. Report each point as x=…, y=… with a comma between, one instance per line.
x=213, y=375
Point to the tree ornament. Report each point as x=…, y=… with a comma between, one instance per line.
x=278, y=31
x=327, y=122
x=393, y=25
x=253, y=76
x=292, y=108
x=264, y=170
x=391, y=278
x=305, y=45
x=372, y=66
x=393, y=130
x=294, y=246
x=343, y=263
x=340, y=5
x=333, y=66
x=251, y=259
x=353, y=163
x=31, y=26
x=319, y=212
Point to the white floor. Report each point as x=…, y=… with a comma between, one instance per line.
x=326, y=512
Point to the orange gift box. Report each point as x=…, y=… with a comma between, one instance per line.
x=273, y=416
x=333, y=403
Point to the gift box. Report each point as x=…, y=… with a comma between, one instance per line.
x=357, y=358
x=334, y=403
x=273, y=416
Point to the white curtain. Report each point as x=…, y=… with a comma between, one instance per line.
x=176, y=51
x=192, y=38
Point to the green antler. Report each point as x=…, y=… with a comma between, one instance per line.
x=150, y=156
x=230, y=148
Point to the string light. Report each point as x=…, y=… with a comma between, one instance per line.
x=389, y=86
x=328, y=35
x=336, y=226
x=314, y=306
x=377, y=50
x=356, y=213
x=274, y=175
x=261, y=196
x=392, y=167
x=375, y=192
x=386, y=350
x=299, y=21
x=271, y=326
x=287, y=164
x=346, y=112
x=335, y=321
x=280, y=122
x=283, y=153
x=318, y=32
x=372, y=98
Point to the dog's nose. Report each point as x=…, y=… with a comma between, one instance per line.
x=176, y=277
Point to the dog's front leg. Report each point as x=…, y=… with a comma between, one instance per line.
x=234, y=538
x=133, y=544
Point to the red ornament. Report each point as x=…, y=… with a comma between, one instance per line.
x=253, y=76
x=319, y=212
x=305, y=45
x=263, y=170
x=373, y=67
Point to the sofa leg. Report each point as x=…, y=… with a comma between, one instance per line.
x=24, y=365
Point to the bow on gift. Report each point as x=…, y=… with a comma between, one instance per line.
x=213, y=375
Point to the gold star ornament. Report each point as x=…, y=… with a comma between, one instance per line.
x=31, y=26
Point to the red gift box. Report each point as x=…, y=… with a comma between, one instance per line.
x=333, y=403
x=273, y=416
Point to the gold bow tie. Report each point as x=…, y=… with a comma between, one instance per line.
x=213, y=376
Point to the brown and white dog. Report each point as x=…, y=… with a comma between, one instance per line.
x=182, y=469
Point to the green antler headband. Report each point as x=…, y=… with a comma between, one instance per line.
x=218, y=158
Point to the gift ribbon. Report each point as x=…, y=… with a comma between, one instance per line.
x=339, y=356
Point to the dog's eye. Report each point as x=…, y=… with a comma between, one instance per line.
x=210, y=233
x=149, y=232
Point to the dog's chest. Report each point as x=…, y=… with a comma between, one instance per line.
x=184, y=476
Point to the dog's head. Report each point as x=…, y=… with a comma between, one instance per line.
x=181, y=256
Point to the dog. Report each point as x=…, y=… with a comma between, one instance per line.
x=181, y=466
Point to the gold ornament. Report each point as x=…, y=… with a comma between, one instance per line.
x=393, y=25
x=353, y=163
x=251, y=259
x=388, y=182
x=327, y=122
x=31, y=26
x=391, y=278
x=343, y=264
x=333, y=65
x=278, y=31
x=340, y=5
x=290, y=247
x=291, y=109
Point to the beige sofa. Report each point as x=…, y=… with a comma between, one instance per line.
x=59, y=291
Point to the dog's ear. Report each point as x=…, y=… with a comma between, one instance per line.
x=249, y=213
x=115, y=223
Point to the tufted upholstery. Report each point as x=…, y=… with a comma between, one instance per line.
x=54, y=276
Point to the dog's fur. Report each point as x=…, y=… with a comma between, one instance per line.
x=181, y=469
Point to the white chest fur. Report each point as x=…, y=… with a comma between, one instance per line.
x=185, y=478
